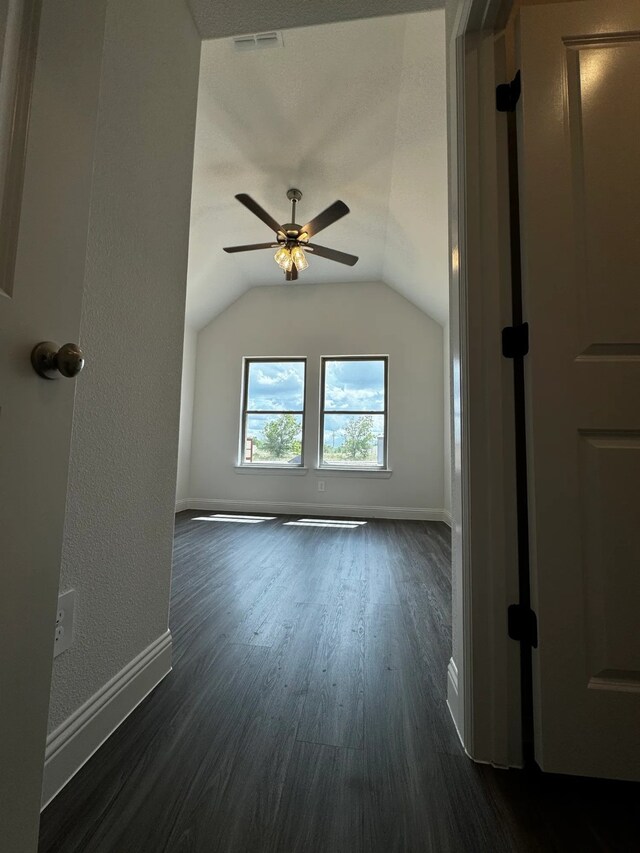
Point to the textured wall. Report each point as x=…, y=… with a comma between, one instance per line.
x=215, y=19
x=186, y=412
x=117, y=550
x=311, y=321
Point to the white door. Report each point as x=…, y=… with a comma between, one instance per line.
x=579, y=152
x=42, y=301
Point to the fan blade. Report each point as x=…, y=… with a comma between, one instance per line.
x=260, y=212
x=332, y=254
x=250, y=248
x=292, y=275
x=334, y=212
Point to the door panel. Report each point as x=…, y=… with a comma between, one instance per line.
x=579, y=126
x=42, y=302
x=611, y=558
x=605, y=155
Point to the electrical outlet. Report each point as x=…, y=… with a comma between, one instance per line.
x=63, y=635
x=321, y=485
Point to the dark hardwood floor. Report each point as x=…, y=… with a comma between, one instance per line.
x=306, y=712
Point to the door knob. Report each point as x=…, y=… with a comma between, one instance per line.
x=51, y=361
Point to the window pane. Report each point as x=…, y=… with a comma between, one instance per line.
x=273, y=438
x=354, y=385
x=276, y=386
x=353, y=440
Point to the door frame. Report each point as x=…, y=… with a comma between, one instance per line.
x=483, y=677
x=484, y=674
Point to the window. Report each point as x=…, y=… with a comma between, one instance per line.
x=353, y=417
x=273, y=412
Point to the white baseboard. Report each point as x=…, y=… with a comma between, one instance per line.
x=281, y=508
x=447, y=517
x=453, y=697
x=182, y=504
x=73, y=743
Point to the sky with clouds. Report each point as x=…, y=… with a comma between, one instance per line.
x=354, y=386
x=276, y=386
x=350, y=386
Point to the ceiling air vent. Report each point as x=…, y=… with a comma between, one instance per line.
x=258, y=41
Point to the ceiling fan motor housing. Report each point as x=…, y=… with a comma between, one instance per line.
x=292, y=232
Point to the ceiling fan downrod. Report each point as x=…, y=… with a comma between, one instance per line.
x=294, y=197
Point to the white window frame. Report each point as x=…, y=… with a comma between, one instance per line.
x=247, y=361
x=325, y=466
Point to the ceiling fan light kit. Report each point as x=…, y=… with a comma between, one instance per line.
x=292, y=239
x=299, y=258
x=284, y=258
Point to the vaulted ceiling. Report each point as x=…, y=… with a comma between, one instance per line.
x=215, y=19
x=352, y=110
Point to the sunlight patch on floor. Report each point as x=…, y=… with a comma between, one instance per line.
x=325, y=522
x=237, y=519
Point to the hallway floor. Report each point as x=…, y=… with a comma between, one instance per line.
x=306, y=712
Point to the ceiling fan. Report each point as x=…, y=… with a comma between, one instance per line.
x=292, y=239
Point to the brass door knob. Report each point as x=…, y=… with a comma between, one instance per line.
x=51, y=361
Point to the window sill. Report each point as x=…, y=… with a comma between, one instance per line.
x=371, y=473
x=271, y=469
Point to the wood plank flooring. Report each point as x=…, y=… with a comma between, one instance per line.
x=306, y=712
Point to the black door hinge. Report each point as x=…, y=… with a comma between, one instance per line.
x=508, y=95
x=522, y=624
x=515, y=341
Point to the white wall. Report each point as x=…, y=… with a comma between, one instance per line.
x=120, y=504
x=311, y=321
x=187, y=393
x=417, y=220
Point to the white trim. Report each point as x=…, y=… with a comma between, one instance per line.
x=287, y=470
x=371, y=473
x=453, y=697
x=483, y=532
x=73, y=743
x=447, y=518
x=343, y=510
x=457, y=17
x=182, y=504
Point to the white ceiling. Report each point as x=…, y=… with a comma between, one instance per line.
x=215, y=19
x=354, y=111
